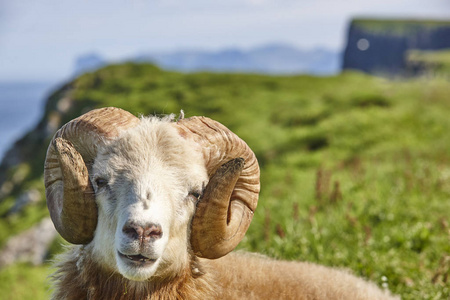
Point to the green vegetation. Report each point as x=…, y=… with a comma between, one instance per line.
x=398, y=26
x=430, y=62
x=23, y=281
x=355, y=169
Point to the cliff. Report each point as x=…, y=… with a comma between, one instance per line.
x=380, y=46
x=27, y=234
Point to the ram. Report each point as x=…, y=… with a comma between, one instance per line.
x=154, y=207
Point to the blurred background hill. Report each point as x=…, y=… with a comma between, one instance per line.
x=348, y=117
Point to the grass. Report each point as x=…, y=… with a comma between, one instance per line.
x=398, y=26
x=430, y=62
x=23, y=281
x=355, y=169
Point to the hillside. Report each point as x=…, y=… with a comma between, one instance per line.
x=355, y=169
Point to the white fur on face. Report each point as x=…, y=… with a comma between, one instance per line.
x=145, y=177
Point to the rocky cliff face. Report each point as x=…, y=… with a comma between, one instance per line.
x=22, y=200
x=380, y=46
x=30, y=147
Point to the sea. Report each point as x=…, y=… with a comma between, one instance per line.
x=21, y=107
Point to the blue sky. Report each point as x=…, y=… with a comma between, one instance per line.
x=40, y=39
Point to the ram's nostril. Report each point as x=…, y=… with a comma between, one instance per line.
x=148, y=231
x=132, y=230
x=153, y=231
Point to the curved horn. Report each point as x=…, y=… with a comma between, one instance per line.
x=226, y=208
x=69, y=193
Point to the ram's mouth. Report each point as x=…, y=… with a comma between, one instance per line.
x=137, y=259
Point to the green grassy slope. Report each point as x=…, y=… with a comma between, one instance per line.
x=355, y=169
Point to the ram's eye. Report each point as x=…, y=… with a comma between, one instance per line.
x=101, y=182
x=195, y=195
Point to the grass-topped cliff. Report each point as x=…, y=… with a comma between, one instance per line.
x=380, y=46
x=355, y=169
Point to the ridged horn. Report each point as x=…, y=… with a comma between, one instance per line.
x=226, y=208
x=69, y=193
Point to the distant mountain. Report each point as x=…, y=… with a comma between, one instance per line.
x=88, y=62
x=269, y=59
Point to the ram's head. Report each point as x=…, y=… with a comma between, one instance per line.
x=147, y=193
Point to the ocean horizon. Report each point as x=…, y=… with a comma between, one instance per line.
x=21, y=107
